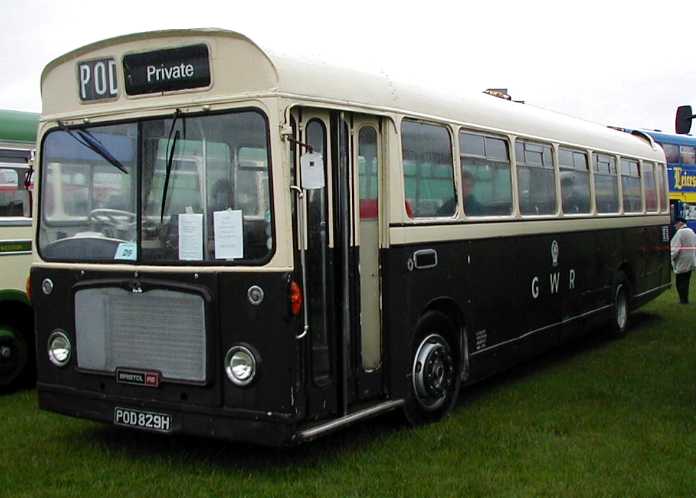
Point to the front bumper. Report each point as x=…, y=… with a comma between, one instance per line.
x=271, y=429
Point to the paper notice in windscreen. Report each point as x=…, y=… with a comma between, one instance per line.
x=229, y=234
x=190, y=237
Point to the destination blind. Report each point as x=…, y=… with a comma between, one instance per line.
x=167, y=70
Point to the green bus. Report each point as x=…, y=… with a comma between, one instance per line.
x=17, y=143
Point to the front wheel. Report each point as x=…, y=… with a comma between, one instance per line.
x=434, y=375
x=14, y=356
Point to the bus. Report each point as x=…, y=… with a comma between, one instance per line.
x=17, y=142
x=680, y=152
x=287, y=248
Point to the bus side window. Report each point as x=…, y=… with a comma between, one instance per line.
x=367, y=173
x=575, y=181
x=688, y=154
x=606, y=186
x=671, y=152
x=650, y=187
x=630, y=184
x=660, y=177
x=428, y=169
x=536, y=178
x=486, y=177
x=14, y=198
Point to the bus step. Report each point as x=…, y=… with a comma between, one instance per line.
x=335, y=424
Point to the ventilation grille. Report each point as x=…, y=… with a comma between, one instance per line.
x=159, y=330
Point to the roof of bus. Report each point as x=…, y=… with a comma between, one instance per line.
x=17, y=126
x=269, y=73
x=671, y=138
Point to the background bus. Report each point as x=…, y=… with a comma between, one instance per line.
x=17, y=142
x=680, y=151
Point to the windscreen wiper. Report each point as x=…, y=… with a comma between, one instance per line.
x=88, y=140
x=170, y=159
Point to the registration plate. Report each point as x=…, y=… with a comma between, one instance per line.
x=139, y=419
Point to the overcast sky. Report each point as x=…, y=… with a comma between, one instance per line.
x=611, y=62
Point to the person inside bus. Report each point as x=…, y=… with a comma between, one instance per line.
x=573, y=199
x=683, y=251
x=472, y=207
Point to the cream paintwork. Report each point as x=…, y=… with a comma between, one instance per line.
x=245, y=75
x=404, y=235
x=368, y=238
x=14, y=268
x=262, y=73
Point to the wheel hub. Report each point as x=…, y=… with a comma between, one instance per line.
x=433, y=372
x=5, y=352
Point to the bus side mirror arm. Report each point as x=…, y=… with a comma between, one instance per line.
x=300, y=240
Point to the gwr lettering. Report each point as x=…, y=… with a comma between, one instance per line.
x=169, y=73
x=554, y=280
x=554, y=283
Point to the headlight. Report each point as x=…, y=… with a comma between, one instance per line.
x=240, y=365
x=59, y=348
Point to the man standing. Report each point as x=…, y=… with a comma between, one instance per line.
x=683, y=252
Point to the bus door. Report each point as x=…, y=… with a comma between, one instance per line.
x=318, y=349
x=343, y=348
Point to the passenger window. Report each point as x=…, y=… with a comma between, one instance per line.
x=606, y=186
x=660, y=181
x=650, y=187
x=14, y=198
x=630, y=184
x=535, y=178
x=671, y=152
x=428, y=170
x=367, y=173
x=688, y=154
x=575, y=181
x=485, y=170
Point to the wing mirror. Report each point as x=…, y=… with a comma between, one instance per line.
x=682, y=123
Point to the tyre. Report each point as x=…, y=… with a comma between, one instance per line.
x=619, y=317
x=14, y=357
x=434, y=375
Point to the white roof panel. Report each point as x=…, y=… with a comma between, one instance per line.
x=241, y=67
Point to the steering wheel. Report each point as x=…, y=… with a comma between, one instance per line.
x=117, y=218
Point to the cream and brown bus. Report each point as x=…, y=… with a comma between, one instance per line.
x=17, y=142
x=236, y=244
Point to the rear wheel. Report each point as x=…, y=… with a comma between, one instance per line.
x=14, y=355
x=434, y=374
x=619, y=320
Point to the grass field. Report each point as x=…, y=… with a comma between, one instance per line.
x=596, y=418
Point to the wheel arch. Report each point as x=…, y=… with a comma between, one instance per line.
x=449, y=307
x=16, y=315
x=627, y=269
x=16, y=310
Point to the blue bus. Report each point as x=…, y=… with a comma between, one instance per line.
x=680, y=151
